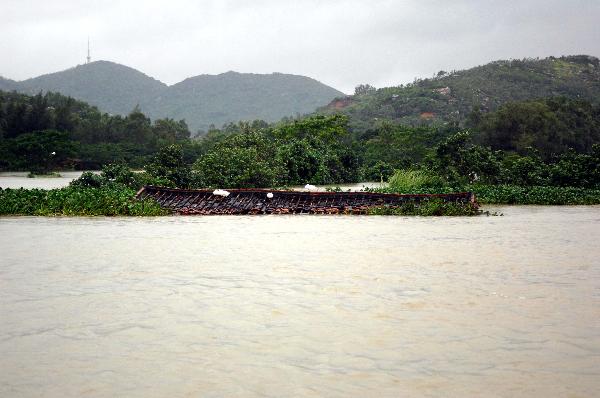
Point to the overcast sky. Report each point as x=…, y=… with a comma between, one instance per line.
x=339, y=42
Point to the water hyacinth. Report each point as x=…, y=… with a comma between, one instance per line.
x=77, y=201
x=433, y=207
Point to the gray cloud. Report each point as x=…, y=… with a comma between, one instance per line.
x=341, y=43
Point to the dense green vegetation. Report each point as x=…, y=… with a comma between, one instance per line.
x=449, y=97
x=109, y=193
x=325, y=150
x=51, y=131
x=425, y=182
x=201, y=100
x=551, y=126
x=458, y=164
x=76, y=201
x=534, y=195
x=458, y=160
x=318, y=150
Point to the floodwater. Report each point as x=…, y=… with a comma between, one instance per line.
x=302, y=306
x=19, y=179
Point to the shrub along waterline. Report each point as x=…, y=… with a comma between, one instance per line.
x=434, y=207
x=515, y=195
x=424, y=182
x=535, y=195
x=114, y=200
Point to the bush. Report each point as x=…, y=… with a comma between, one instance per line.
x=413, y=181
x=89, y=180
x=380, y=171
x=168, y=164
x=242, y=161
x=119, y=175
x=524, y=171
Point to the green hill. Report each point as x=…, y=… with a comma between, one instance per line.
x=111, y=87
x=232, y=96
x=450, y=97
x=202, y=100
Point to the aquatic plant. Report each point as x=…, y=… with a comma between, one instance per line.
x=511, y=194
x=119, y=174
x=536, y=195
x=77, y=201
x=432, y=207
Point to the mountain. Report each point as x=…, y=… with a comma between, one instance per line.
x=7, y=84
x=233, y=96
x=202, y=100
x=112, y=87
x=450, y=97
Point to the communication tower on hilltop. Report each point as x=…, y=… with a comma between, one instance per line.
x=89, y=59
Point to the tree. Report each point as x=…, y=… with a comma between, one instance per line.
x=550, y=126
x=41, y=151
x=170, y=131
x=300, y=160
x=168, y=164
x=328, y=129
x=138, y=127
x=459, y=161
x=364, y=89
x=241, y=161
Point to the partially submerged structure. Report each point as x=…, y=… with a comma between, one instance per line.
x=258, y=201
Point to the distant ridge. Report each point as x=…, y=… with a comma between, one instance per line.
x=7, y=84
x=201, y=100
x=450, y=97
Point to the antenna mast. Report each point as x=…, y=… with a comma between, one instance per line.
x=89, y=59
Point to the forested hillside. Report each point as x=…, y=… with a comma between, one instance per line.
x=450, y=97
x=202, y=100
x=113, y=88
x=232, y=96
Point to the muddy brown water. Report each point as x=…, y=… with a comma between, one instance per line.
x=19, y=179
x=302, y=306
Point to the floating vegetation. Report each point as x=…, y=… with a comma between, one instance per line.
x=433, y=207
x=114, y=200
x=44, y=175
x=535, y=195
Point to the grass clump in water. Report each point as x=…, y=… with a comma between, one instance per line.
x=51, y=174
x=411, y=181
x=431, y=207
